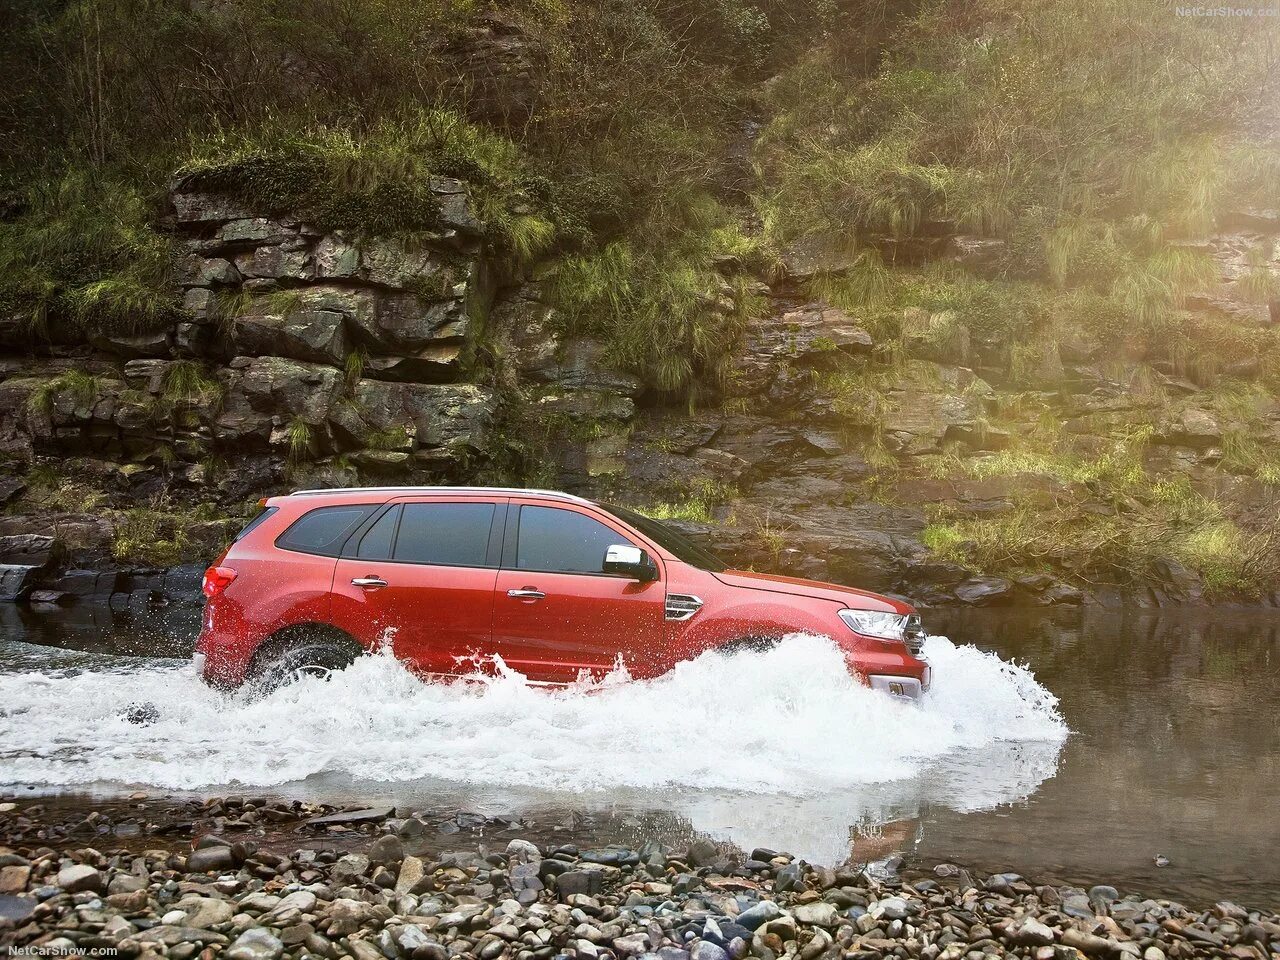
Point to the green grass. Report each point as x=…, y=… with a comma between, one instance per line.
x=659, y=302
x=697, y=506
x=83, y=389
x=187, y=383
x=81, y=255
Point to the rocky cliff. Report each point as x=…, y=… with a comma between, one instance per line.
x=302, y=357
x=794, y=276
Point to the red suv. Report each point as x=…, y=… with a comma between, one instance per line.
x=552, y=583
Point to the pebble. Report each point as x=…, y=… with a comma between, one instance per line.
x=520, y=901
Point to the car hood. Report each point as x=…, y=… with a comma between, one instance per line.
x=795, y=587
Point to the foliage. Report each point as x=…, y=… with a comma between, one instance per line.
x=659, y=302
x=83, y=389
x=81, y=252
x=186, y=383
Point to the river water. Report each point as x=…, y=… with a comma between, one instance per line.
x=1076, y=747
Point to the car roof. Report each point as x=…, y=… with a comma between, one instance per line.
x=427, y=491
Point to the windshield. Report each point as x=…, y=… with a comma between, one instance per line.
x=670, y=539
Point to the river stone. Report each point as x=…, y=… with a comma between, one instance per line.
x=173, y=934
x=16, y=909
x=1032, y=933
x=820, y=914
x=706, y=950
x=13, y=879
x=256, y=943
x=790, y=879
x=206, y=911
x=891, y=908
x=386, y=849
x=588, y=882
x=291, y=908
x=763, y=912
x=348, y=817
x=522, y=851
x=211, y=859
x=411, y=871
x=79, y=877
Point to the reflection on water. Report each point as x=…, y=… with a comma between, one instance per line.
x=1175, y=750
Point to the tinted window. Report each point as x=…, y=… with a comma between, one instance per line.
x=562, y=541
x=455, y=534
x=248, y=527
x=325, y=529
x=377, y=540
x=670, y=539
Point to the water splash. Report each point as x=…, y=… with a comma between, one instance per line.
x=786, y=721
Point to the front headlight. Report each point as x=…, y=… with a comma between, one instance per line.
x=870, y=623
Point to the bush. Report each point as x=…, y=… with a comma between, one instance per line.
x=82, y=253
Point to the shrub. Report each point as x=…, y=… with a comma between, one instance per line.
x=81, y=253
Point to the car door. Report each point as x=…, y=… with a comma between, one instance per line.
x=421, y=575
x=555, y=612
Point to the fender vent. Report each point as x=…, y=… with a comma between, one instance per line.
x=682, y=606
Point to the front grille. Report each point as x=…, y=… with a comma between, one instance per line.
x=914, y=634
x=682, y=606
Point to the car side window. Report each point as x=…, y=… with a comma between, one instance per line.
x=325, y=529
x=448, y=534
x=377, y=540
x=562, y=541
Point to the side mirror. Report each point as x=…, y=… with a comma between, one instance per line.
x=628, y=561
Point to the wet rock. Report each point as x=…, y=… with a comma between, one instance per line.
x=985, y=591
x=211, y=859
x=579, y=882
x=350, y=817
x=30, y=549
x=790, y=879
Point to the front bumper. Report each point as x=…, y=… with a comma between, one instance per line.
x=904, y=688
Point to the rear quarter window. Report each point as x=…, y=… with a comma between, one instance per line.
x=248, y=528
x=324, y=530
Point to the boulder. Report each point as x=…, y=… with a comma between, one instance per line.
x=434, y=415
x=278, y=261
x=985, y=591
x=197, y=207
x=815, y=335
x=306, y=334
x=582, y=364
x=30, y=549
x=405, y=321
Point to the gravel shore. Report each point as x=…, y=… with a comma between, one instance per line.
x=266, y=880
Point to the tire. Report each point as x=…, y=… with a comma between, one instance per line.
x=292, y=657
x=749, y=644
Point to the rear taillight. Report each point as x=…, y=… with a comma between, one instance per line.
x=217, y=579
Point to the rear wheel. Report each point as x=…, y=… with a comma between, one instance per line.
x=300, y=654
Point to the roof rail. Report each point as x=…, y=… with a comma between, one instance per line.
x=514, y=491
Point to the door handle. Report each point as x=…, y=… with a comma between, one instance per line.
x=527, y=593
x=371, y=582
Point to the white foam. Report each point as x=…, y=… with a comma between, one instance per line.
x=786, y=721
